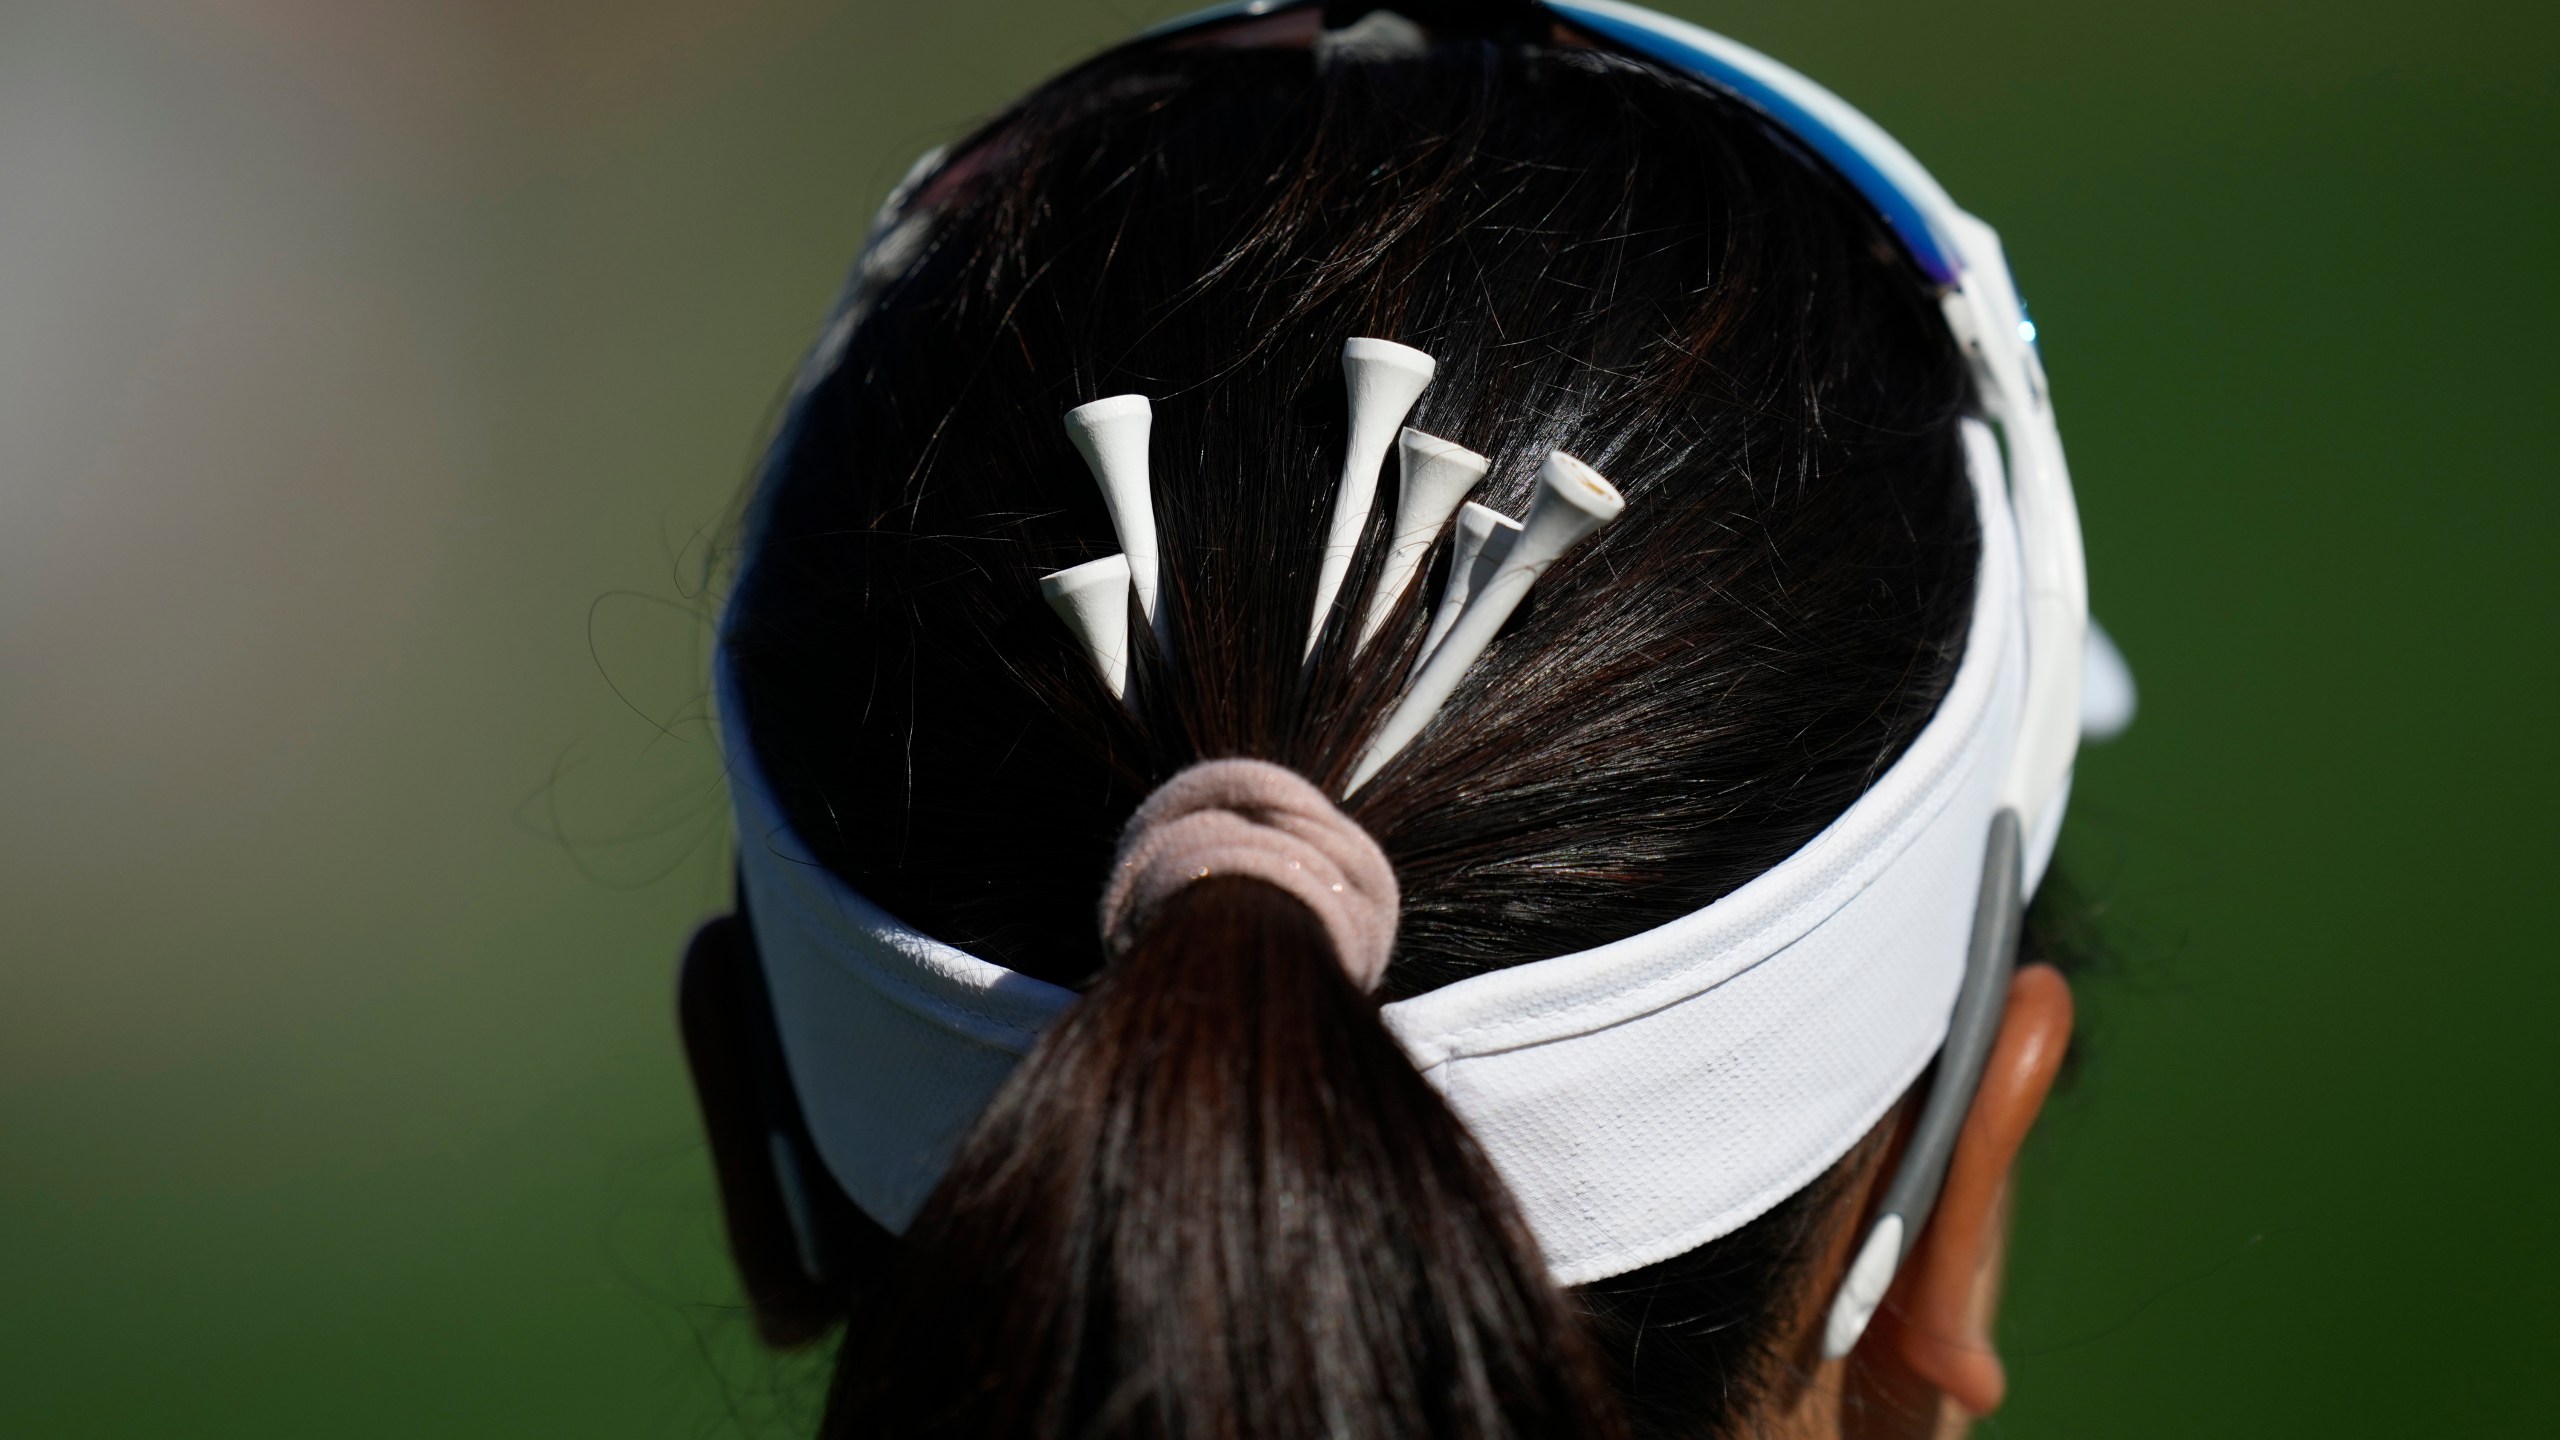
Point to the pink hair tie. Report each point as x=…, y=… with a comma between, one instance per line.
x=1263, y=822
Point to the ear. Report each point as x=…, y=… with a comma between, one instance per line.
x=794, y=1268
x=1937, y=1323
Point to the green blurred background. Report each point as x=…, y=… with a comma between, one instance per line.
x=371, y=375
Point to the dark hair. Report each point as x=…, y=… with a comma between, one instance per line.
x=1217, y=1200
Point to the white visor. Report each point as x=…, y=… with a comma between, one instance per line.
x=1640, y=1098
x=1647, y=1096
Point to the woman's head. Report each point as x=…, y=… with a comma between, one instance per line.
x=1218, y=1198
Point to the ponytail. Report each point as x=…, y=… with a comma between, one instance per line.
x=1219, y=1201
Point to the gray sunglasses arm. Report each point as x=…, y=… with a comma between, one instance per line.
x=1998, y=917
